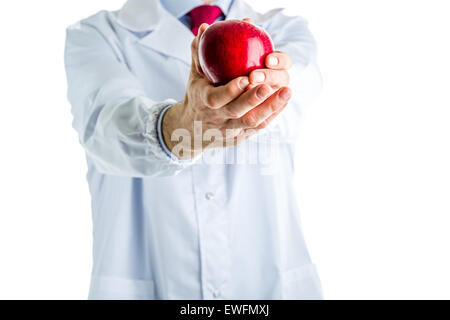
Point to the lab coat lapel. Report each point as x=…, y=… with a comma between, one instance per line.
x=171, y=38
x=166, y=34
x=240, y=10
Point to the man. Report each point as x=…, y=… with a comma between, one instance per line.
x=204, y=222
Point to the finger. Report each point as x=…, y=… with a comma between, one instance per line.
x=194, y=49
x=217, y=97
x=257, y=116
x=247, y=101
x=263, y=114
x=202, y=29
x=266, y=122
x=274, y=78
x=248, y=20
x=278, y=60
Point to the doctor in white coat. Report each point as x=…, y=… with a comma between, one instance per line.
x=214, y=221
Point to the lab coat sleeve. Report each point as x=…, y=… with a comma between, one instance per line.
x=291, y=35
x=115, y=120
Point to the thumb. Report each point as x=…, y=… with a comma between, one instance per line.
x=195, y=67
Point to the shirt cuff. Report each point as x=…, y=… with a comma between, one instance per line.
x=159, y=131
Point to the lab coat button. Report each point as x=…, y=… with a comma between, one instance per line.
x=216, y=294
x=209, y=196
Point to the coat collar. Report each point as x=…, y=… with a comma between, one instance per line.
x=166, y=33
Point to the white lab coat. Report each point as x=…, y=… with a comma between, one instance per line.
x=171, y=229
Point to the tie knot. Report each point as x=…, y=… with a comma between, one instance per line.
x=203, y=14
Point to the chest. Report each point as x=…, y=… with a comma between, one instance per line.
x=161, y=76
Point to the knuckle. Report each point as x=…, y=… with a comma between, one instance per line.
x=263, y=91
x=258, y=95
x=230, y=89
x=233, y=114
x=211, y=101
x=216, y=120
x=273, y=107
x=250, y=120
x=263, y=125
x=254, y=100
x=276, y=86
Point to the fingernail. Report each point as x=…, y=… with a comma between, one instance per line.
x=285, y=94
x=243, y=83
x=263, y=92
x=273, y=61
x=259, y=76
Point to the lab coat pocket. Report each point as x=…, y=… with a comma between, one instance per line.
x=112, y=288
x=301, y=283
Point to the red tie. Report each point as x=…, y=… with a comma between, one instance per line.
x=203, y=14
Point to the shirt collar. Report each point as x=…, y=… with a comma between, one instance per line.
x=179, y=8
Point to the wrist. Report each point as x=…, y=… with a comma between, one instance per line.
x=169, y=125
x=177, y=127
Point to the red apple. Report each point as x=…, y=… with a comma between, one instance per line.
x=233, y=48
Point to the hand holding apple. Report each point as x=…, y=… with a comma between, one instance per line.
x=232, y=48
x=232, y=108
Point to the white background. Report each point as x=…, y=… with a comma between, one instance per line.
x=373, y=166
